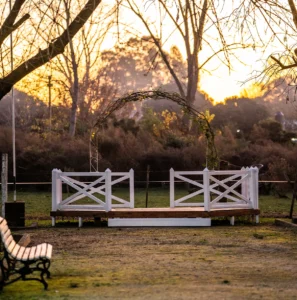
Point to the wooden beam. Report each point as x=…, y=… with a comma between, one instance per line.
x=157, y=213
x=25, y=240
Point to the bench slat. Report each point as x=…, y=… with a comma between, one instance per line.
x=20, y=253
x=2, y=220
x=38, y=250
x=43, y=250
x=15, y=251
x=7, y=241
x=6, y=235
x=26, y=253
x=49, y=251
x=2, y=225
x=32, y=253
x=11, y=246
x=4, y=229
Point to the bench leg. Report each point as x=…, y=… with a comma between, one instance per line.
x=8, y=269
x=41, y=266
x=6, y=265
x=1, y=276
x=42, y=280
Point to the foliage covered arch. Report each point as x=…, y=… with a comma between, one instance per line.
x=196, y=116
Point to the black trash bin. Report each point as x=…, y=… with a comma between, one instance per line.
x=15, y=213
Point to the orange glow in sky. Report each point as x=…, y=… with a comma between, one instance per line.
x=219, y=83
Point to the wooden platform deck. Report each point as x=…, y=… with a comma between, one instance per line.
x=177, y=212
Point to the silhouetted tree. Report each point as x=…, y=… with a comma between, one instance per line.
x=33, y=56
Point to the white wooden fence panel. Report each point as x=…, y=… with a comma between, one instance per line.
x=83, y=174
x=78, y=195
x=227, y=191
x=87, y=190
x=82, y=193
x=246, y=178
x=229, y=172
x=188, y=197
x=119, y=179
x=230, y=189
x=230, y=205
x=122, y=202
x=189, y=180
x=82, y=207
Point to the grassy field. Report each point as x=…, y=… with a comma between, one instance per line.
x=221, y=262
x=38, y=204
x=245, y=261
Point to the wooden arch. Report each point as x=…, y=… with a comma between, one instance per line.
x=195, y=115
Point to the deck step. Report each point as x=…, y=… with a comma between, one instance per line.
x=158, y=222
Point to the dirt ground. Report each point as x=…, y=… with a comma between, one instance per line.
x=220, y=262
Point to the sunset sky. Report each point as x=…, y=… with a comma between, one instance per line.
x=223, y=83
x=219, y=82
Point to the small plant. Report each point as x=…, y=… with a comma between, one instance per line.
x=96, y=284
x=226, y=281
x=203, y=242
x=258, y=236
x=74, y=285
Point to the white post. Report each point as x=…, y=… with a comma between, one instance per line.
x=244, y=184
x=4, y=181
x=53, y=221
x=80, y=222
x=171, y=178
x=206, y=189
x=257, y=219
x=131, y=175
x=253, y=188
x=256, y=170
x=232, y=220
x=56, y=189
x=108, y=203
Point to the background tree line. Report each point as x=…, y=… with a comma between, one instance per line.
x=152, y=133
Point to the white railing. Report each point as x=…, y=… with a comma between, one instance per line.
x=237, y=189
x=100, y=187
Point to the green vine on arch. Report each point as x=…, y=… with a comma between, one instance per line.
x=202, y=119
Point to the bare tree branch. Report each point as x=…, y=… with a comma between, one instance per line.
x=54, y=49
x=282, y=66
x=161, y=50
x=8, y=26
x=294, y=11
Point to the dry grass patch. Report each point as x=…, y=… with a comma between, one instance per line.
x=240, y=262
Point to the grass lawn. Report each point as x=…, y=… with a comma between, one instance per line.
x=38, y=204
x=220, y=262
x=245, y=261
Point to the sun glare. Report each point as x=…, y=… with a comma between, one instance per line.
x=220, y=88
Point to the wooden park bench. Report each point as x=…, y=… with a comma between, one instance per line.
x=18, y=261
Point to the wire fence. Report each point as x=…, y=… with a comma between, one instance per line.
x=141, y=181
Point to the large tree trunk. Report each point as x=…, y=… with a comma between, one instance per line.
x=193, y=64
x=45, y=55
x=75, y=87
x=74, y=106
x=73, y=117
